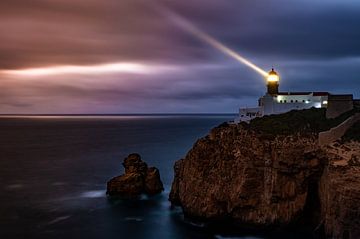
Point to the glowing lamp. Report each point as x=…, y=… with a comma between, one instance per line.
x=273, y=76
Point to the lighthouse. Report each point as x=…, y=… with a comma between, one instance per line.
x=273, y=82
x=278, y=102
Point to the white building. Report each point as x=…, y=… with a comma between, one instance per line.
x=275, y=102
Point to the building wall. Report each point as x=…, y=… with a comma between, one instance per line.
x=247, y=114
x=357, y=104
x=315, y=101
x=284, y=103
x=339, y=104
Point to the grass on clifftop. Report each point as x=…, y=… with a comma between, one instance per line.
x=304, y=121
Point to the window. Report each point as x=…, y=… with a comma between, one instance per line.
x=303, y=101
x=296, y=101
x=284, y=101
x=292, y=101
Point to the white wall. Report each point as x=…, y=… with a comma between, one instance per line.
x=284, y=103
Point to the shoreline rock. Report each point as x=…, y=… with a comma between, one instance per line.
x=138, y=179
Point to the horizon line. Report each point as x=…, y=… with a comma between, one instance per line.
x=113, y=114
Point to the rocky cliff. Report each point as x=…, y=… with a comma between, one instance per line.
x=269, y=174
x=340, y=190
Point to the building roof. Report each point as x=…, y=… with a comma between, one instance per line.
x=305, y=93
x=321, y=93
x=273, y=72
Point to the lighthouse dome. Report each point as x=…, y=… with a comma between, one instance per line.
x=273, y=76
x=273, y=72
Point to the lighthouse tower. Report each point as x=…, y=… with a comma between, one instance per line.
x=273, y=83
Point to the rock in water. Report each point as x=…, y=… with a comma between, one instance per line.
x=153, y=184
x=127, y=185
x=134, y=164
x=138, y=179
x=272, y=176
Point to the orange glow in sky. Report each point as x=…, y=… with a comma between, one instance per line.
x=93, y=69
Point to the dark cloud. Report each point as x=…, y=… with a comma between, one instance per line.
x=314, y=45
x=279, y=29
x=88, y=32
x=83, y=32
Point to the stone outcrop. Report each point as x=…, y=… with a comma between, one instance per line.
x=242, y=175
x=340, y=191
x=138, y=179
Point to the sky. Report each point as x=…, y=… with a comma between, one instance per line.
x=133, y=56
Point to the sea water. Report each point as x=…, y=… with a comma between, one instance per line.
x=54, y=169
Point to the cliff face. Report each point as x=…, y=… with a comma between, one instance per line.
x=242, y=175
x=234, y=173
x=340, y=191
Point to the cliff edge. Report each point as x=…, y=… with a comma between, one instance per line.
x=273, y=172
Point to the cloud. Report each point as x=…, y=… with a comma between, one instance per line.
x=91, y=32
x=133, y=93
x=15, y=104
x=313, y=44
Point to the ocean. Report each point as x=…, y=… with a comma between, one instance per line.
x=54, y=169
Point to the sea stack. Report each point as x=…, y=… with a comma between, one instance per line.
x=138, y=179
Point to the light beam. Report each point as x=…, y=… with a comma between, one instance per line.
x=189, y=27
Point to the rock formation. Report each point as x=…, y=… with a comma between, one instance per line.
x=138, y=179
x=340, y=190
x=267, y=177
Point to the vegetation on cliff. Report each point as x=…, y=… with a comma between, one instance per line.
x=297, y=121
